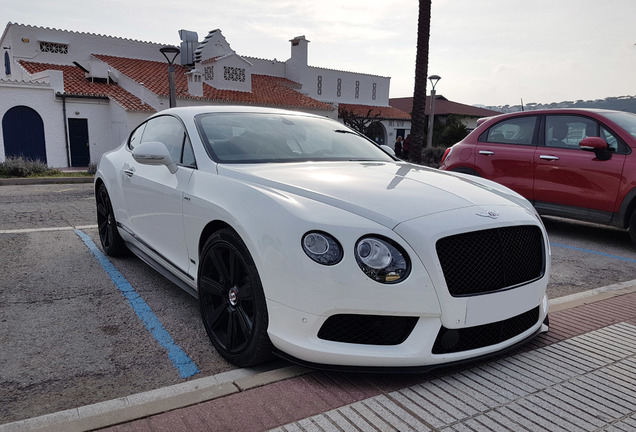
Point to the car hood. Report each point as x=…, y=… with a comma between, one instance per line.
x=387, y=193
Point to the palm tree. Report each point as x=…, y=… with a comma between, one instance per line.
x=418, y=115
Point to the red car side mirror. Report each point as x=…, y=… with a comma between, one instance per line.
x=597, y=145
x=593, y=143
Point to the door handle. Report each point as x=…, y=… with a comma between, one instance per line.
x=548, y=157
x=486, y=152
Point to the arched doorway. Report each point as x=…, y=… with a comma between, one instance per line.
x=375, y=132
x=23, y=134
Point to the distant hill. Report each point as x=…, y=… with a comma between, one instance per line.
x=620, y=103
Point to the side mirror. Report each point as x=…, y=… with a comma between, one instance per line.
x=593, y=143
x=597, y=145
x=154, y=153
x=388, y=149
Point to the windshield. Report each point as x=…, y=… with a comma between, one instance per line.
x=625, y=120
x=265, y=137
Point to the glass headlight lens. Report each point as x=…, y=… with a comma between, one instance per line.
x=382, y=259
x=322, y=248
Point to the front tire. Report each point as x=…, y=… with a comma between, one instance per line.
x=112, y=243
x=232, y=302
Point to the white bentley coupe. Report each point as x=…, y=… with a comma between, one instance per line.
x=304, y=239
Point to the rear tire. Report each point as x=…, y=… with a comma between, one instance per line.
x=632, y=227
x=112, y=243
x=232, y=302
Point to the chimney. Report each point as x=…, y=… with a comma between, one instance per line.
x=299, y=51
x=189, y=43
x=195, y=83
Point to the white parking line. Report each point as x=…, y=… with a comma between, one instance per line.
x=31, y=230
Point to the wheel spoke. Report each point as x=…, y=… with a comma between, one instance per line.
x=109, y=235
x=217, y=256
x=214, y=317
x=234, y=267
x=245, y=291
x=101, y=226
x=245, y=322
x=102, y=209
x=212, y=287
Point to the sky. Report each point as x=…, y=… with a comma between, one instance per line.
x=487, y=52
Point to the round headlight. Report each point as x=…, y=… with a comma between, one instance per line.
x=374, y=253
x=382, y=259
x=322, y=248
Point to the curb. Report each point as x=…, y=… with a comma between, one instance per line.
x=44, y=180
x=126, y=409
x=592, y=296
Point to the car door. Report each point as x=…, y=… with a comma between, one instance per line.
x=568, y=179
x=505, y=153
x=154, y=196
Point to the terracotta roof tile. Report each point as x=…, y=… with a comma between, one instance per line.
x=75, y=83
x=443, y=107
x=385, y=113
x=266, y=90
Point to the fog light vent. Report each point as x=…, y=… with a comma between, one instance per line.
x=367, y=329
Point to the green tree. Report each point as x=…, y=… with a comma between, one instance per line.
x=418, y=116
x=451, y=132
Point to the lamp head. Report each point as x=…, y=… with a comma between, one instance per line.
x=433, y=79
x=170, y=53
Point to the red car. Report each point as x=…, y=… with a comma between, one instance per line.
x=573, y=163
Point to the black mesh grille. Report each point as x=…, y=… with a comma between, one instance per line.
x=484, y=261
x=451, y=340
x=367, y=329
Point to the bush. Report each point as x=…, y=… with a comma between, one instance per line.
x=92, y=169
x=433, y=157
x=21, y=167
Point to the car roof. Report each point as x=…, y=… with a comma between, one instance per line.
x=548, y=111
x=193, y=111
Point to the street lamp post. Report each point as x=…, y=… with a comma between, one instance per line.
x=429, y=135
x=170, y=53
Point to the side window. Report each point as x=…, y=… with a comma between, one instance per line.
x=135, y=137
x=567, y=131
x=518, y=130
x=610, y=138
x=188, y=154
x=169, y=131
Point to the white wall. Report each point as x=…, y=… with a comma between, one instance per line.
x=24, y=42
x=41, y=99
x=329, y=88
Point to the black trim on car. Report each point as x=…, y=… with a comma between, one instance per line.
x=572, y=212
x=148, y=259
x=466, y=170
x=409, y=369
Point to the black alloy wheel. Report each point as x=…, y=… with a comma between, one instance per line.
x=109, y=236
x=232, y=301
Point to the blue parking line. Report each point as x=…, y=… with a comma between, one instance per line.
x=594, y=252
x=179, y=358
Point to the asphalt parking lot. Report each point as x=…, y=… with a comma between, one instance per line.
x=71, y=335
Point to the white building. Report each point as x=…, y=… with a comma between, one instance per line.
x=67, y=97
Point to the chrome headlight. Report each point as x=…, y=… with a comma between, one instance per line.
x=382, y=259
x=322, y=248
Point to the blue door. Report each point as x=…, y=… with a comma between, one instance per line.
x=23, y=134
x=78, y=140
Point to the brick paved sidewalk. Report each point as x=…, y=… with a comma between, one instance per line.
x=579, y=376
